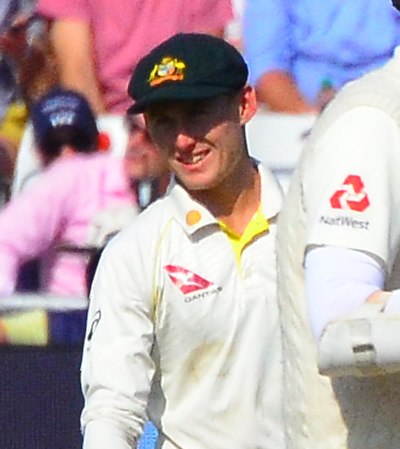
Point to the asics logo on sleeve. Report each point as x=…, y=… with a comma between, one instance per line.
x=351, y=195
x=186, y=280
x=94, y=324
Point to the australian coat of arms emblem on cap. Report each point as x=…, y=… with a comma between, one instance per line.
x=169, y=69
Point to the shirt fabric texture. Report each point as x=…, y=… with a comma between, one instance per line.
x=56, y=211
x=173, y=320
x=316, y=41
x=345, y=193
x=126, y=30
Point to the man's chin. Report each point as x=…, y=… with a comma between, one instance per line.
x=200, y=186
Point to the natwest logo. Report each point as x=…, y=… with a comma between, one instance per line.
x=351, y=195
x=185, y=280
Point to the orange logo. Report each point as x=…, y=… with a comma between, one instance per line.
x=169, y=69
x=351, y=195
x=193, y=217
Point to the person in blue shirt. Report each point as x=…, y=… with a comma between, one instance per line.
x=297, y=48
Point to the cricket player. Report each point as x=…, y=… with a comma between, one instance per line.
x=183, y=324
x=338, y=251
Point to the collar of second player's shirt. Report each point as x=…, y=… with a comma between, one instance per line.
x=193, y=216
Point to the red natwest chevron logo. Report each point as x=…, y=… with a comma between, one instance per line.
x=351, y=195
x=186, y=280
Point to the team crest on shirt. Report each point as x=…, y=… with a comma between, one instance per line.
x=350, y=196
x=190, y=284
x=169, y=69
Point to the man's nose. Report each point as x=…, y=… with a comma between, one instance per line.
x=184, y=133
x=184, y=140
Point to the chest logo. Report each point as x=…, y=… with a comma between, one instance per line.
x=185, y=280
x=351, y=195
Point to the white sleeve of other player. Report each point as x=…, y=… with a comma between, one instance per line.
x=351, y=181
x=338, y=281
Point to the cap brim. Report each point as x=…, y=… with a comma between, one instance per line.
x=178, y=93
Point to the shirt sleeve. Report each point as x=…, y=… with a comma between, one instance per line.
x=338, y=281
x=117, y=367
x=29, y=224
x=209, y=15
x=351, y=183
x=266, y=37
x=64, y=9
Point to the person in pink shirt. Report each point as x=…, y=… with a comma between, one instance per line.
x=97, y=43
x=51, y=219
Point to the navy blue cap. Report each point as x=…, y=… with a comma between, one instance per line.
x=187, y=66
x=396, y=4
x=59, y=108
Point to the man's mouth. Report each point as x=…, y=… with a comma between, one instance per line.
x=191, y=158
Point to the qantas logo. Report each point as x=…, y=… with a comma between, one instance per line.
x=186, y=280
x=351, y=195
x=190, y=284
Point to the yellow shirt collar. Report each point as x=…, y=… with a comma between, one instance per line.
x=257, y=225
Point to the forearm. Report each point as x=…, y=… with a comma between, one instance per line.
x=72, y=46
x=82, y=79
x=279, y=92
x=338, y=281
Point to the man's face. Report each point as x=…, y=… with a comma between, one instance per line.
x=142, y=159
x=203, y=140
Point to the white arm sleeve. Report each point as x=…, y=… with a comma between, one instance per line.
x=338, y=281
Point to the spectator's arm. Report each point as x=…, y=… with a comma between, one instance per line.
x=268, y=50
x=279, y=92
x=72, y=44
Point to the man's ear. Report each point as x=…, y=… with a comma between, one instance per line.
x=248, y=104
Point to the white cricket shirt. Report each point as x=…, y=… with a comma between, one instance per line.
x=170, y=301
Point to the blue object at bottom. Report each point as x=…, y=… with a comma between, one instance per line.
x=149, y=437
